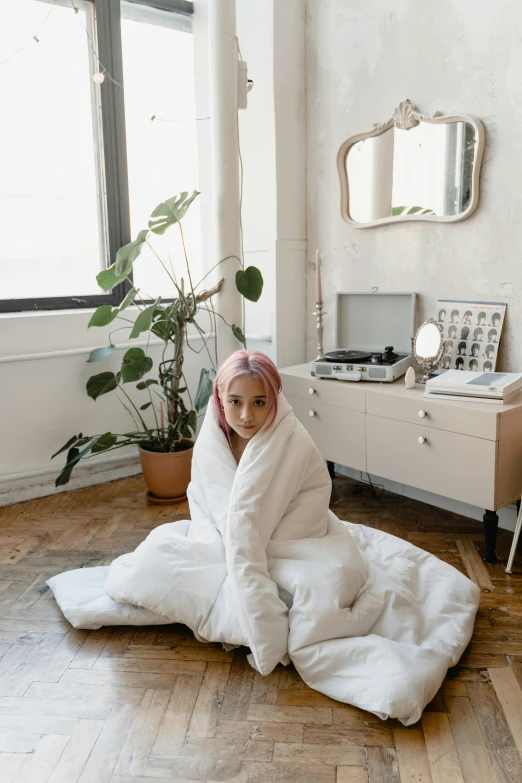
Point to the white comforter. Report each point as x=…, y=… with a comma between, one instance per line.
x=365, y=617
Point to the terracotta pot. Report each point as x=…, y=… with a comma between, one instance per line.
x=167, y=475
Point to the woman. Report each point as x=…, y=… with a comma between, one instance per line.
x=245, y=396
x=366, y=618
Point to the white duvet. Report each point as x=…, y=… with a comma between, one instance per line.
x=366, y=618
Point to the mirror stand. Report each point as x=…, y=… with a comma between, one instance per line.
x=427, y=346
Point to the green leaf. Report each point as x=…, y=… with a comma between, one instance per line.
x=144, y=407
x=192, y=420
x=101, y=384
x=411, y=211
x=145, y=384
x=69, y=443
x=171, y=211
x=238, y=334
x=204, y=388
x=73, y=457
x=65, y=475
x=127, y=255
x=108, y=278
x=104, y=442
x=129, y=299
x=144, y=320
x=101, y=353
x=186, y=432
x=102, y=316
x=134, y=365
x=250, y=283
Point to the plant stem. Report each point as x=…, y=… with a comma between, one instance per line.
x=216, y=265
x=186, y=256
x=218, y=315
x=135, y=408
x=162, y=264
x=136, y=423
x=188, y=392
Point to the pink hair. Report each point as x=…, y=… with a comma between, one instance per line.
x=257, y=365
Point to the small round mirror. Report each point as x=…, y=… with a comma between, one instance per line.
x=428, y=340
x=427, y=346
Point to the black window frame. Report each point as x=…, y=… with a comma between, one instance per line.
x=114, y=150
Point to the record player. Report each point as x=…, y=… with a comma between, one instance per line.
x=375, y=332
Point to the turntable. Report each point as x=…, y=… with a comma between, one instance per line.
x=365, y=322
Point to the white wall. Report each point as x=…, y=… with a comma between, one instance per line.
x=456, y=56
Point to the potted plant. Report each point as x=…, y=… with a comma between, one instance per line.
x=165, y=442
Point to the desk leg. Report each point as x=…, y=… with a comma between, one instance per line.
x=331, y=468
x=490, y=535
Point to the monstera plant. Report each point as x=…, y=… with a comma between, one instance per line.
x=166, y=421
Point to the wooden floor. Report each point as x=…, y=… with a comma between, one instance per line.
x=126, y=704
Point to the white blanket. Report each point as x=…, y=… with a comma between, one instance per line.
x=366, y=618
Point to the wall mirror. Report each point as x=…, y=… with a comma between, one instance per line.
x=412, y=167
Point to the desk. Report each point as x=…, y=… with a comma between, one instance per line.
x=466, y=451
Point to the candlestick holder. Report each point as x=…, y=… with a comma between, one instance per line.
x=319, y=313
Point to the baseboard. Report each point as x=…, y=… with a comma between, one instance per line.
x=37, y=484
x=507, y=516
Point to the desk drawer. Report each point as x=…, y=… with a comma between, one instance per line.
x=338, y=433
x=456, y=466
x=342, y=394
x=459, y=417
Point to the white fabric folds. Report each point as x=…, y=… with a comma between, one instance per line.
x=366, y=618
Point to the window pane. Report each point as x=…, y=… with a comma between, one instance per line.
x=158, y=70
x=52, y=241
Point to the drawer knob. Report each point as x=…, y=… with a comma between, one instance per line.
x=311, y=391
x=422, y=414
x=312, y=414
x=421, y=439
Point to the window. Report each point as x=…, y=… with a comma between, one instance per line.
x=74, y=153
x=160, y=112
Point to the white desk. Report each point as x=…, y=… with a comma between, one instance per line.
x=462, y=450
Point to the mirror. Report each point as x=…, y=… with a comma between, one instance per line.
x=412, y=167
x=427, y=347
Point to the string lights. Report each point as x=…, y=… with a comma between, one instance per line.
x=98, y=77
x=102, y=74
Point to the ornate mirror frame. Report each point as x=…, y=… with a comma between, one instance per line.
x=428, y=363
x=406, y=117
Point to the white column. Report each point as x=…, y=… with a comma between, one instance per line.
x=225, y=165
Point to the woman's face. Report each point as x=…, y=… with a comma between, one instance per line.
x=245, y=406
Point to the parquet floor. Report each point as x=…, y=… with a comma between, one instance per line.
x=130, y=705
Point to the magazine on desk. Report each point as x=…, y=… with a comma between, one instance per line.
x=496, y=387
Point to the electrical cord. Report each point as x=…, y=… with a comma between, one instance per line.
x=368, y=487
